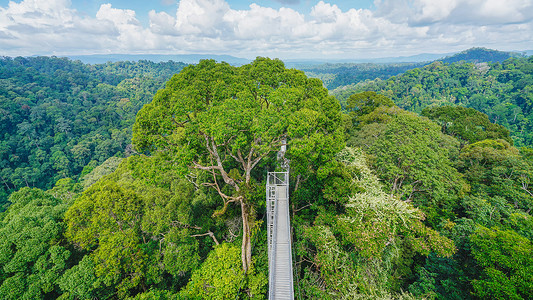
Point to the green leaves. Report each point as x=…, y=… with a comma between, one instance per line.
x=243, y=109
x=497, y=169
x=374, y=218
x=506, y=259
x=221, y=277
x=502, y=91
x=57, y=115
x=32, y=256
x=466, y=124
x=361, y=104
x=411, y=155
x=80, y=280
x=359, y=253
x=226, y=121
x=136, y=225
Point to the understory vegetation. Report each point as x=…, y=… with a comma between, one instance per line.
x=123, y=181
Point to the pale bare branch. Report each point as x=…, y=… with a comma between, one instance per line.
x=209, y=233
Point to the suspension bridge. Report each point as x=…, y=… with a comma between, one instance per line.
x=279, y=237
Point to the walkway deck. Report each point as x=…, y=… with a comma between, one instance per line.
x=279, y=238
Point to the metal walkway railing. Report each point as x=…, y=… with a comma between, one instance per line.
x=279, y=237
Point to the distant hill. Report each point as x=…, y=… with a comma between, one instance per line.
x=185, y=58
x=335, y=75
x=478, y=55
x=342, y=74
x=419, y=58
x=474, y=55
x=471, y=55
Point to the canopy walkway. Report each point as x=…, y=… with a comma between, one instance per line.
x=279, y=237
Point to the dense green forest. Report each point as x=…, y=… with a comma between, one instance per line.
x=58, y=116
x=480, y=55
x=503, y=91
x=343, y=74
x=386, y=203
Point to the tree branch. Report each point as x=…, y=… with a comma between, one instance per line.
x=206, y=168
x=298, y=209
x=213, y=150
x=209, y=233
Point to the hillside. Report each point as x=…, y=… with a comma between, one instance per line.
x=341, y=74
x=336, y=75
x=184, y=58
x=480, y=55
x=503, y=91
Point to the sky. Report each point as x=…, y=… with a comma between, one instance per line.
x=286, y=29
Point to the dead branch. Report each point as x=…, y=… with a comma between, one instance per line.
x=213, y=150
x=305, y=206
x=209, y=233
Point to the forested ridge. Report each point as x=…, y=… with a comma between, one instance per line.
x=126, y=182
x=503, y=91
x=345, y=74
x=342, y=74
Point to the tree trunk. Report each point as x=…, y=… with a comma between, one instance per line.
x=246, y=247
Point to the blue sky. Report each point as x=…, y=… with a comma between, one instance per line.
x=143, y=7
x=276, y=28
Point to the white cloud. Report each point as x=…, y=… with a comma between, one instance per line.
x=131, y=34
x=39, y=15
x=395, y=27
x=32, y=26
x=477, y=12
x=162, y=23
x=201, y=17
x=266, y=23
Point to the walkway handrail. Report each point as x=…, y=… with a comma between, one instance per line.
x=277, y=182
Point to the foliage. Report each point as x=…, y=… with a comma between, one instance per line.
x=466, y=124
x=225, y=121
x=106, y=168
x=221, y=277
x=486, y=182
x=57, y=115
x=411, y=155
x=137, y=225
x=342, y=74
x=422, y=208
x=378, y=216
x=358, y=254
x=503, y=91
x=441, y=278
x=361, y=104
x=32, y=253
x=479, y=55
x=507, y=262
x=496, y=168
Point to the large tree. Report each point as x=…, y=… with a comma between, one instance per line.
x=411, y=156
x=466, y=124
x=365, y=251
x=32, y=252
x=139, y=230
x=225, y=121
